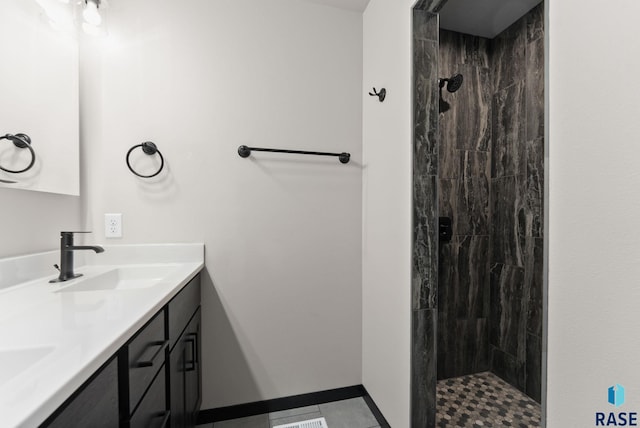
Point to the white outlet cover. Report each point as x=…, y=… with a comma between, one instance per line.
x=113, y=225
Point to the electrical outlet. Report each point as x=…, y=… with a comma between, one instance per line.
x=113, y=225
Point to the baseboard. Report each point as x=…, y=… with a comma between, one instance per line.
x=382, y=421
x=291, y=402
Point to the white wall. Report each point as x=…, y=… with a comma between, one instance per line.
x=282, y=294
x=387, y=183
x=594, y=207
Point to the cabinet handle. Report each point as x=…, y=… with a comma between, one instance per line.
x=162, y=345
x=165, y=418
x=191, y=365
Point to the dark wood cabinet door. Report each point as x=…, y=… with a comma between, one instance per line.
x=94, y=405
x=192, y=384
x=176, y=384
x=181, y=309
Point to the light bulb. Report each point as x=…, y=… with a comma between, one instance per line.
x=91, y=14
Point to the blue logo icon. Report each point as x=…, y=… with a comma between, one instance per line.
x=616, y=395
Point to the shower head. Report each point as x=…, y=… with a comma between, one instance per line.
x=453, y=83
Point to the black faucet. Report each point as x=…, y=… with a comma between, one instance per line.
x=66, y=256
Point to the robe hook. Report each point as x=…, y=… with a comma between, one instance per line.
x=381, y=95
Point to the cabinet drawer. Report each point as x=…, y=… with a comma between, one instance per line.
x=146, y=354
x=181, y=309
x=152, y=412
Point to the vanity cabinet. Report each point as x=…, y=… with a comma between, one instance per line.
x=184, y=357
x=153, y=381
x=185, y=376
x=95, y=404
x=193, y=376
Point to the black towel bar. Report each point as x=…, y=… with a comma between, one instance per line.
x=245, y=151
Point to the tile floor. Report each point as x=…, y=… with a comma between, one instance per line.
x=484, y=400
x=352, y=413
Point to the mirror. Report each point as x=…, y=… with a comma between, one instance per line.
x=39, y=96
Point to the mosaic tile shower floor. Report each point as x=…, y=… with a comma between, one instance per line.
x=484, y=400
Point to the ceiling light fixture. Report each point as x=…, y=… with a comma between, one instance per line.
x=91, y=14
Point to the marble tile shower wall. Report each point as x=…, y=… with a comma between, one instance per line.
x=425, y=214
x=516, y=203
x=490, y=183
x=480, y=163
x=463, y=195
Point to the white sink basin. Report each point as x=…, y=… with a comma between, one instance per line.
x=124, y=278
x=15, y=361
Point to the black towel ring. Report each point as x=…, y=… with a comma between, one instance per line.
x=21, y=141
x=150, y=149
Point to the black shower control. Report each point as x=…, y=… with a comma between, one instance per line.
x=445, y=229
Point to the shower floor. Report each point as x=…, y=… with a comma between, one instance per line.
x=484, y=400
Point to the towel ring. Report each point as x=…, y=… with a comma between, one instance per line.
x=150, y=149
x=21, y=141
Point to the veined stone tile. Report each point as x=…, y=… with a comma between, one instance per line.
x=425, y=243
x=463, y=164
x=425, y=99
x=508, y=220
x=472, y=267
x=467, y=203
x=535, y=23
x=425, y=25
x=430, y=5
x=535, y=188
x=534, y=92
x=508, y=132
x=508, y=55
x=467, y=123
x=533, y=367
x=457, y=48
x=507, y=318
x=423, y=368
x=534, y=284
x=507, y=367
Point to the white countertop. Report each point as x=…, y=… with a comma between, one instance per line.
x=52, y=341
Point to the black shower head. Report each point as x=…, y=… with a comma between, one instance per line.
x=453, y=83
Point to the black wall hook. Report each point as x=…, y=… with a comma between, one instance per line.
x=381, y=95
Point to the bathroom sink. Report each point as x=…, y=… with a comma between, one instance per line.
x=15, y=361
x=124, y=278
